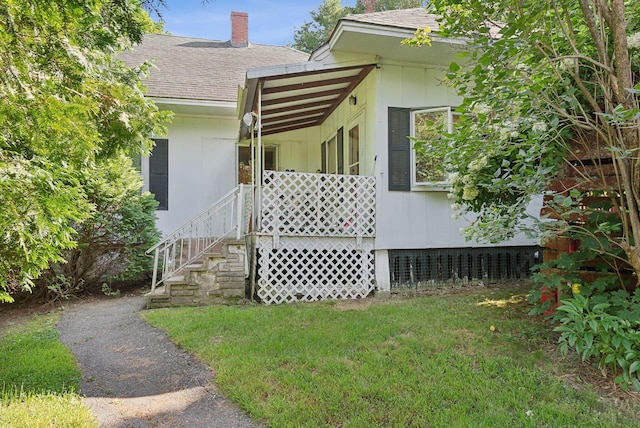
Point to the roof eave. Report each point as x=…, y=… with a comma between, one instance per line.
x=345, y=26
x=327, y=85
x=193, y=102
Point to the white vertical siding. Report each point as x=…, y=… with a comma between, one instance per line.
x=202, y=166
x=416, y=219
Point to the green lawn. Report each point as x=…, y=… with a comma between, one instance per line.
x=38, y=377
x=431, y=361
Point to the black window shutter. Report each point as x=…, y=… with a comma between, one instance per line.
x=399, y=149
x=323, y=156
x=340, y=138
x=159, y=173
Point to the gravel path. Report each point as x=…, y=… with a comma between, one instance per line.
x=135, y=377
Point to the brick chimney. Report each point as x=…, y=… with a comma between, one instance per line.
x=239, y=29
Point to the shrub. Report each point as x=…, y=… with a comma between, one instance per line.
x=595, y=333
x=111, y=243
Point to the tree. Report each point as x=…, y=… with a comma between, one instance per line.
x=111, y=244
x=313, y=33
x=67, y=105
x=552, y=88
x=538, y=79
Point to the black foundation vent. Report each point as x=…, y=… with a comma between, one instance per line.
x=422, y=269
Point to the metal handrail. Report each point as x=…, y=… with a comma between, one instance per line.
x=206, y=229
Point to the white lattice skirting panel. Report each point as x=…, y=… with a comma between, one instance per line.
x=314, y=268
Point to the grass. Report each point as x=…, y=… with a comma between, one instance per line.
x=38, y=379
x=429, y=362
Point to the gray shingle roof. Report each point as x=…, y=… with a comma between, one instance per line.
x=404, y=18
x=201, y=69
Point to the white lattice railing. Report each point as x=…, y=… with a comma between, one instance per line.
x=304, y=204
x=229, y=215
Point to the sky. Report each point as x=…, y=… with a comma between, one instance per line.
x=270, y=22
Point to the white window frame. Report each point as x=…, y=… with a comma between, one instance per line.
x=442, y=185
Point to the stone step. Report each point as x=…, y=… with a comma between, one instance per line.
x=195, y=266
x=155, y=301
x=158, y=291
x=176, y=279
x=215, y=278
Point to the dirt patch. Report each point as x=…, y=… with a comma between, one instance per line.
x=584, y=376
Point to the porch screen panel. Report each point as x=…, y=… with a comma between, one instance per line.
x=332, y=156
x=244, y=165
x=159, y=173
x=340, y=138
x=354, y=150
x=399, y=149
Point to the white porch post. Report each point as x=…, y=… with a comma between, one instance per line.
x=253, y=176
x=253, y=153
x=383, y=276
x=259, y=169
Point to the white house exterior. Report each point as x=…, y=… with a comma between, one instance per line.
x=339, y=209
x=198, y=80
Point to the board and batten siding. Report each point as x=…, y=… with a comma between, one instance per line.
x=293, y=150
x=411, y=217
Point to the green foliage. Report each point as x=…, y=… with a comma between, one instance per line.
x=112, y=242
x=430, y=126
x=313, y=33
x=380, y=5
x=34, y=360
x=39, y=199
x=550, y=87
x=67, y=105
x=317, y=31
x=598, y=319
x=593, y=228
x=594, y=333
x=533, y=75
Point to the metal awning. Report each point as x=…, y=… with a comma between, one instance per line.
x=297, y=96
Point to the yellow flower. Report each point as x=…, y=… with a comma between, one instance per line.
x=575, y=287
x=492, y=328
